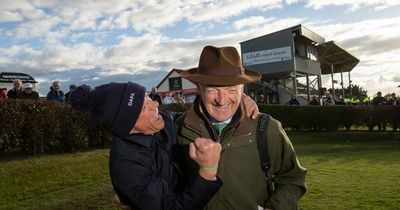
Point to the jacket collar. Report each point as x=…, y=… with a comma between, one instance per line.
x=142, y=139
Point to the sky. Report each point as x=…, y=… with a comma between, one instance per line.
x=100, y=41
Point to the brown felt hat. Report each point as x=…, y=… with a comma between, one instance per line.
x=220, y=66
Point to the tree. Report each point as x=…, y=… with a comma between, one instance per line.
x=356, y=92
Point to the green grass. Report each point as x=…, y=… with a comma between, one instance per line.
x=350, y=170
x=359, y=170
x=68, y=181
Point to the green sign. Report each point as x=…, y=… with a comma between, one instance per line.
x=175, y=83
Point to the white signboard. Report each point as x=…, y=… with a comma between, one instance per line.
x=267, y=56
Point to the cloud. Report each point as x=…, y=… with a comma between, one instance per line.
x=18, y=10
x=86, y=20
x=396, y=78
x=382, y=79
x=374, y=42
x=198, y=11
x=7, y=16
x=250, y=31
x=81, y=56
x=292, y=1
x=130, y=55
x=35, y=28
x=353, y=4
x=253, y=21
x=139, y=16
x=16, y=5
x=144, y=18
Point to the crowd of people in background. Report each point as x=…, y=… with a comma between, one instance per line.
x=26, y=91
x=19, y=90
x=174, y=98
x=389, y=99
x=328, y=100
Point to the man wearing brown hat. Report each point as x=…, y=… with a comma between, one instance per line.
x=217, y=114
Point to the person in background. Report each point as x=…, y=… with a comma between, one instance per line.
x=253, y=96
x=261, y=99
x=168, y=99
x=3, y=93
x=379, y=100
x=72, y=87
x=393, y=100
x=217, y=114
x=55, y=93
x=339, y=100
x=328, y=101
x=178, y=98
x=293, y=101
x=142, y=166
x=155, y=96
x=29, y=93
x=314, y=101
x=16, y=92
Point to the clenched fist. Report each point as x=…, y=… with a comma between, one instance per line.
x=206, y=154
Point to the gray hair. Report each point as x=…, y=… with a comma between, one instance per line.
x=56, y=83
x=17, y=80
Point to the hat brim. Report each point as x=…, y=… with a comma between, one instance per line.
x=223, y=80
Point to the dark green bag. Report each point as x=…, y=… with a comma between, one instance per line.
x=262, y=145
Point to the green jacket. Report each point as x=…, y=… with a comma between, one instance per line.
x=244, y=183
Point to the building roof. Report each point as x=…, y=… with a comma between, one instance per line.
x=300, y=31
x=331, y=53
x=9, y=77
x=167, y=76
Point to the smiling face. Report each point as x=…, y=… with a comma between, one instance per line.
x=149, y=121
x=221, y=102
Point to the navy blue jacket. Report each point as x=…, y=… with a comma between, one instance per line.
x=52, y=95
x=145, y=176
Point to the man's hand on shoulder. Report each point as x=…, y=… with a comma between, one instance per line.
x=250, y=107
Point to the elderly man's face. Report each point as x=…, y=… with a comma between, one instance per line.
x=149, y=121
x=221, y=102
x=56, y=87
x=17, y=85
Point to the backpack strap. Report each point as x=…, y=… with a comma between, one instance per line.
x=262, y=140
